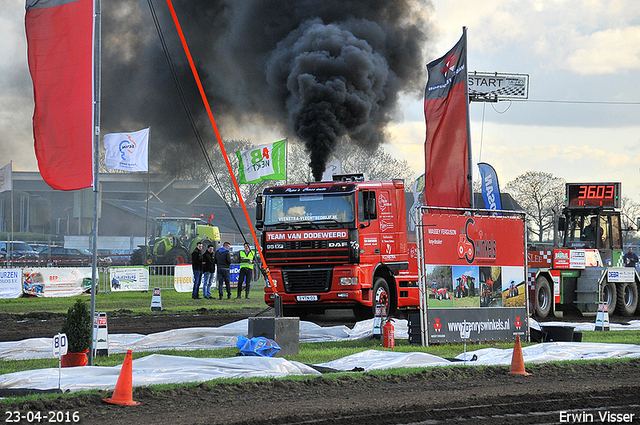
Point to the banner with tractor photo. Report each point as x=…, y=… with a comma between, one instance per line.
x=472, y=269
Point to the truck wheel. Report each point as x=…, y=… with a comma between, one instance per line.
x=543, y=297
x=609, y=296
x=381, y=296
x=627, y=298
x=177, y=256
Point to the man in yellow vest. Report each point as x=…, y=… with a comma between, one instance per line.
x=246, y=270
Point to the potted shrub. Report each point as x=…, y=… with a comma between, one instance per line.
x=77, y=327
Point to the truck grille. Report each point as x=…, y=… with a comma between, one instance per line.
x=300, y=281
x=305, y=251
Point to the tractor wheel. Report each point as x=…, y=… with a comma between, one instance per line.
x=609, y=296
x=177, y=256
x=627, y=298
x=381, y=296
x=137, y=258
x=544, y=297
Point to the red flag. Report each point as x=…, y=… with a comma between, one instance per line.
x=447, y=144
x=60, y=51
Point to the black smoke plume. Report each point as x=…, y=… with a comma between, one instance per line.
x=322, y=71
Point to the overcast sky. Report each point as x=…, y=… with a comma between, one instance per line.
x=573, y=51
x=581, y=121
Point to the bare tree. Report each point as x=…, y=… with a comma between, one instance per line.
x=630, y=212
x=377, y=165
x=539, y=194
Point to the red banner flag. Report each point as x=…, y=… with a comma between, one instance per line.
x=447, y=145
x=60, y=52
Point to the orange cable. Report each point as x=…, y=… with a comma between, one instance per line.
x=215, y=129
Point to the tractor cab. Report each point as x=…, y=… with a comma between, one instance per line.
x=592, y=228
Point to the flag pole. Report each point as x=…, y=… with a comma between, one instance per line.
x=11, y=244
x=466, y=101
x=146, y=214
x=96, y=165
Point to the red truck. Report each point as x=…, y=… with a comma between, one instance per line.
x=338, y=245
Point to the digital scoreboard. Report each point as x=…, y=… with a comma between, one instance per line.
x=593, y=195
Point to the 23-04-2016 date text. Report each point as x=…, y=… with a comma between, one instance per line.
x=48, y=417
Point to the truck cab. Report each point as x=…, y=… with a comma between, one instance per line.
x=338, y=244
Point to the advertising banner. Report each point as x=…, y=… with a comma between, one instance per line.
x=474, y=273
x=10, y=283
x=183, y=278
x=445, y=324
x=54, y=281
x=129, y=278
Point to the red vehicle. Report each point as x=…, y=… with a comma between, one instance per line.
x=339, y=244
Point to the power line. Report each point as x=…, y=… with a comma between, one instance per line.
x=586, y=102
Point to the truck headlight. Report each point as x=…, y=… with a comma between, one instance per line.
x=348, y=281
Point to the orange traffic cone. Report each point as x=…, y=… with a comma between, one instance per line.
x=123, y=394
x=517, y=360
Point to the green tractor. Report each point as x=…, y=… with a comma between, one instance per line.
x=174, y=239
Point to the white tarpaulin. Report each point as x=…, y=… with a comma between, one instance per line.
x=162, y=369
x=155, y=369
x=194, y=339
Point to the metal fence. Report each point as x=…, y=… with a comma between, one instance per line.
x=160, y=276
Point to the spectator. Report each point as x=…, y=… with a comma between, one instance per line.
x=630, y=258
x=209, y=270
x=246, y=270
x=223, y=260
x=196, y=264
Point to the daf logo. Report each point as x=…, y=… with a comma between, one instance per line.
x=275, y=246
x=340, y=244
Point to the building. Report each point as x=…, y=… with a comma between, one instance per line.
x=126, y=202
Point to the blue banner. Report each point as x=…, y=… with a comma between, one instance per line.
x=490, y=187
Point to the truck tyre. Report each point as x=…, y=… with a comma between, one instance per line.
x=177, y=256
x=382, y=296
x=627, y=298
x=543, y=297
x=609, y=296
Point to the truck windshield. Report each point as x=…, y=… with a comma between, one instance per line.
x=292, y=209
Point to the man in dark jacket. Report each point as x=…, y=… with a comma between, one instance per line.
x=223, y=260
x=208, y=269
x=196, y=265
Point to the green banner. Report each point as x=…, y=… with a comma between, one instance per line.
x=263, y=162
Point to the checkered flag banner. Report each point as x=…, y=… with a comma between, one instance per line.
x=497, y=86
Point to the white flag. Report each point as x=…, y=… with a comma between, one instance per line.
x=127, y=151
x=6, y=182
x=333, y=167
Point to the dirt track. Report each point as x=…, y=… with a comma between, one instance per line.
x=463, y=394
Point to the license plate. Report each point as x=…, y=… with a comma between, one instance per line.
x=306, y=298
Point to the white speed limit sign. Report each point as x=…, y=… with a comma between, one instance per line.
x=60, y=345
